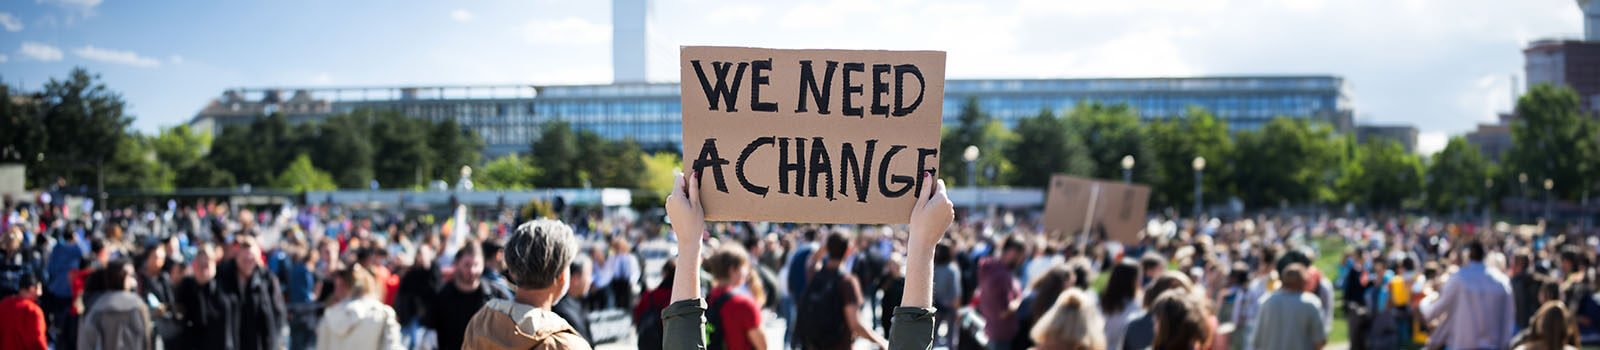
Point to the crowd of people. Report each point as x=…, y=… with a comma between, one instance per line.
x=207, y=275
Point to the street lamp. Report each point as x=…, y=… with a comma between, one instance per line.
x=1522, y=194
x=1548, y=184
x=1127, y=168
x=1199, y=170
x=971, y=156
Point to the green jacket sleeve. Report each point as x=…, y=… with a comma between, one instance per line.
x=912, y=329
x=683, y=325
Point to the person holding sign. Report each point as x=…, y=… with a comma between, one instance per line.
x=913, y=326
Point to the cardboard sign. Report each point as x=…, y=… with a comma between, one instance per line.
x=817, y=136
x=1074, y=205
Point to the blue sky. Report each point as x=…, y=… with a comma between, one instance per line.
x=1440, y=65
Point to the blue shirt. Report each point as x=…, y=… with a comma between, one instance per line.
x=797, y=269
x=301, y=284
x=63, y=259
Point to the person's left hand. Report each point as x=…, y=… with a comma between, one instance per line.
x=684, y=209
x=930, y=216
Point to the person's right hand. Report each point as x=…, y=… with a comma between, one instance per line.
x=684, y=209
x=930, y=216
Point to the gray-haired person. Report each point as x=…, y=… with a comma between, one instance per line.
x=538, y=264
x=913, y=327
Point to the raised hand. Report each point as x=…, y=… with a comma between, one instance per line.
x=684, y=209
x=929, y=218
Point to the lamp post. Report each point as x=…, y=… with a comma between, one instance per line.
x=1522, y=193
x=1488, y=187
x=971, y=156
x=1199, y=170
x=1127, y=169
x=1548, y=185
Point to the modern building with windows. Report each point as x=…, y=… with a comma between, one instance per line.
x=508, y=117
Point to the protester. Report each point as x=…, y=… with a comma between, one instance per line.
x=1071, y=323
x=913, y=324
x=255, y=301
x=1478, y=302
x=118, y=318
x=538, y=260
x=1140, y=331
x=456, y=302
x=647, y=315
x=734, y=317
x=202, y=305
x=494, y=261
x=946, y=294
x=418, y=286
x=1290, y=318
x=1119, y=301
x=999, y=291
x=360, y=320
x=571, y=307
x=1552, y=330
x=1042, y=297
x=23, y=319
x=1180, y=322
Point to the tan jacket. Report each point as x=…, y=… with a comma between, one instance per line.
x=360, y=323
x=507, y=325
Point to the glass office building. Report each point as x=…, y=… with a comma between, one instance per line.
x=508, y=117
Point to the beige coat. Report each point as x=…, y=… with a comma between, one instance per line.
x=507, y=325
x=359, y=324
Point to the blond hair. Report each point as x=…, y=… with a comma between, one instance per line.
x=1073, y=323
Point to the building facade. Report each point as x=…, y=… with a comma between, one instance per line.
x=1405, y=135
x=508, y=118
x=1570, y=63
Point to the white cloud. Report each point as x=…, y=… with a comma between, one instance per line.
x=4, y=58
x=571, y=30
x=461, y=15
x=175, y=59
x=116, y=56
x=1431, y=142
x=40, y=52
x=10, y=22
x=84, y=8
x=322, y=79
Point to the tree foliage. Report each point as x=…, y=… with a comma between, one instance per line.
x=1286, y=161
x=1109, y=133
x=1046, y=145
x=1384, y=178
x=975, y=128
x=1457, y=176
x=510, y=172
x=1552, y=139
x=1173, y=145
x=301, y=176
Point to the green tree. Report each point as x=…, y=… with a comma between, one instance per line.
x=1552, y=139
x=302, y=176
x=621, y=165
x=556, y=154
x=401, y=157
x=1385, y=178
x=1175, y=143
x=1046, y=146
x=1110, y=133
x=344, y=149
x=22, y=133
x=453, y=147
x=1289, y=161
x=253, y=153
x=658, y=169
x=975, y=128
x=1456, y=177
x=136, y=165
x=510, y=172
x=85, y=128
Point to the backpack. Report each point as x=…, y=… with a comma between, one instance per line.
x=825, y=325
x=715, y=332
x=649, y=328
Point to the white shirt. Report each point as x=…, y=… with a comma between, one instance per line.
x=1478, y=302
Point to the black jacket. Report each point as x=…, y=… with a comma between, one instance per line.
x=417, y=287
x=573, y=311
x=256, y=307
x=203, y=312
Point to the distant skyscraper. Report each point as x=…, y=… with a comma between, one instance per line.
x=1591, y=19
x=629, y=18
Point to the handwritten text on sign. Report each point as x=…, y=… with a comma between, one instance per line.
x=826, y=136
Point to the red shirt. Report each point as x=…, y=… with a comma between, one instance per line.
x=739, y=315
x=655, y=299
x=24, y=324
